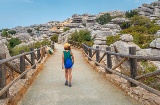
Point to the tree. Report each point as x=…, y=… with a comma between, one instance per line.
x=13, y=42
x=83, y=36
x=104, y=19
x=29, y=31
x=4, y=34
x=131, y=13
x=12, y=32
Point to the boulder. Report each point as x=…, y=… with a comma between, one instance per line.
x=4, y=49
x=149, y=52
x=127, y=37
x=158, y=33
x=155, y=43
x=123, y=47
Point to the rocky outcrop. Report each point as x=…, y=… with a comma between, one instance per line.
x=122, y=47
x=158, y=33
x=119, y=20
x=100, y=32
x=4, y=49
x=154, y=49
x=150, y=10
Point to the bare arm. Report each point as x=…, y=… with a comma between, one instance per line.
x=72, y=57
x=62, y=61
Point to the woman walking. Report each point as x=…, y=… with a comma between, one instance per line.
x=67, y=63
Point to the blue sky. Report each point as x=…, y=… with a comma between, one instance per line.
x=28, y=12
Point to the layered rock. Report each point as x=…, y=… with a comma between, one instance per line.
x=122, y=47
x=150, y=10
x=100, y=32
x=4, y=49
x=154, y=49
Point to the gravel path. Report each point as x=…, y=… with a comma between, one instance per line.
x=88, y=86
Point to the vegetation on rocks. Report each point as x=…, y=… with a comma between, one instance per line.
x=148, y=67
x=54, y=38
x=83, y=36
x=29, y=31
x=142, y=29
x=7, y=33
x=13, y=42
x=111, y=39
x=65, y=29
x=104, y=19
x=16, y=49
x=131, y=13
x=12, y=32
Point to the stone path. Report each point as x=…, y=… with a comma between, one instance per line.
x=88, y=86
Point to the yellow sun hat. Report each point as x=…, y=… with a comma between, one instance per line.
x=66, y=45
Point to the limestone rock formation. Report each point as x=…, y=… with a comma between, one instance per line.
x=155, y=43
x=127, y=37
x=4, y=49
x=122, y=47
x=150, y=10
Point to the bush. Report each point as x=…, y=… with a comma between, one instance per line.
x=83, y=36
x=131, y=13
x=54, y=38
x=45, y=42
x=4, y=34
x=111, y=39
x=141, y=21
x=65, y=29
x=74, y=36
x=13, y=42
x=104, y=19
x=143, y=31
x=147, y=68
x=17, y=49
x=37, y=44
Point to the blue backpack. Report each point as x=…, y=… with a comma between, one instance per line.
x=67, y=60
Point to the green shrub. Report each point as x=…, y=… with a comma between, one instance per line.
x=104, y=19
x=13, y=42
x=4, y=34
x=45, y=42
x=65, y=29
x=89, y=43
x=74, y=36
x=83, y=36
x=111, y=39
x=37, y=44
x=153, y=29
x=142, y=30
x=54, y=38
x=131, y=13
x=148, y=67
x=17, y=49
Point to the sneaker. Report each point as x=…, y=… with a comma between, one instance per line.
x=70, y=85
x=66, y=83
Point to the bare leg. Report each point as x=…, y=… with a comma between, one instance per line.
x=70, y=75
x=66, y=74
